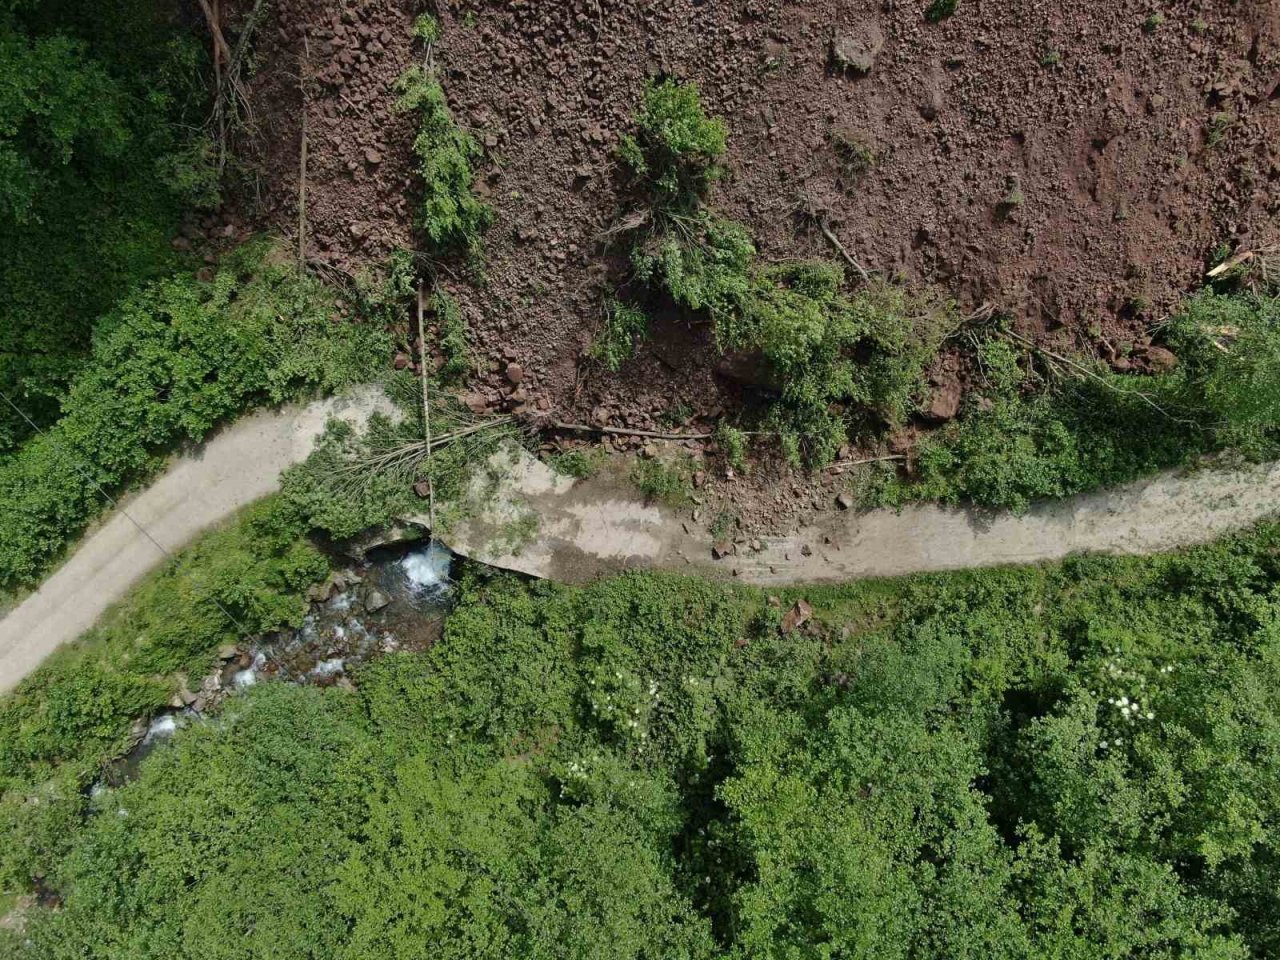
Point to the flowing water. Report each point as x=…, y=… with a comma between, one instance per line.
x=397, y=600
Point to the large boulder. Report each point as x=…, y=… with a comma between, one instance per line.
x=855, y=48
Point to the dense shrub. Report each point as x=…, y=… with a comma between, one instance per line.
x=450, y=215
x=676, y=146
x=167, y=365
x=1060, y=761
x=1013, y=447
x=100, y=152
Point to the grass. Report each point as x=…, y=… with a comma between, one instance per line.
x=665, y=481
x=579, y=463
x=625, y=325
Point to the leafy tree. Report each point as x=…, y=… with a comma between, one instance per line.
x=100, y=108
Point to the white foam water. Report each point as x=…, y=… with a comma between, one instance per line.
x=427, y=569
x=162, y=726
x=249, y=675
x=327, y=668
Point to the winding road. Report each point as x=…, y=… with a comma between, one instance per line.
x=237, y=465
x=588, y=528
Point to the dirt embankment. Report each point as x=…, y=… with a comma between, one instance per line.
x=1073, y=163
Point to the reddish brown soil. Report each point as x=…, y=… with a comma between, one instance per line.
x=1137, y=149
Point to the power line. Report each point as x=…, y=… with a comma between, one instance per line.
x=111, y=500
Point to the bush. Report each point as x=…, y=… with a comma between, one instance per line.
x=835, y=361
x=450, y=214
x=676, y=147
x=1230, y=348
x=76, y=710
x=167, y=366
x=1076, y=760
x=1090, y=432
x=624, y=326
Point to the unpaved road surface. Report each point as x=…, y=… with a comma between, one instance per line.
x=240, y=464
x=590, y=528
x=594, y=527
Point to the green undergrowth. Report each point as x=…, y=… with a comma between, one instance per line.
x=168, y=364
x=102, y=149
x=77, y=709
x=1020, y=441
x=836, y=362
x=663, y=479
x=450, y=216
x=348, y=485
x=1066, y=761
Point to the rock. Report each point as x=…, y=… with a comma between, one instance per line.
x=1160, y=360
x=845, y=500
x=797, y=616
x=183, y=697
x=422, y=488
x=372, y=157
x=401, y=361
x=900, y=443
x=320, y=592
x=699, y=480
x=806, y=550
x=515, y=372
x=857, y=48
x=375, y=600
x=476, y=403
x=945, y=402
x=721, y=549
x=181, y=243
x=228, y=651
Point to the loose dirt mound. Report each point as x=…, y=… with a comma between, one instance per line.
x=1074, y=163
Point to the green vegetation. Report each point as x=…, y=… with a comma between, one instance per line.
x=1076, y=761
x=359, y=479
x=1217, y=127
x=101, y=150
x=665, y=480
x=855, y=150
x=676, y=148
x=624, y=326
x=167, y=365
x=579, y=463
x=1153, y=22
x=733, y=445
x=836, y=362
x=939, y=10
x=450, y=214
x=1079, y=433
x=451, y=326
x=76, y=711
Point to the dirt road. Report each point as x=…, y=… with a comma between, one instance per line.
x=238, y=465
x=589, y=528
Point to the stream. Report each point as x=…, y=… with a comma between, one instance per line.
x=396, y=600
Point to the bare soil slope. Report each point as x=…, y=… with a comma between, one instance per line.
x=1074, y=163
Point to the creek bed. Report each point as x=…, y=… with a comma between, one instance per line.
x=397, y=599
